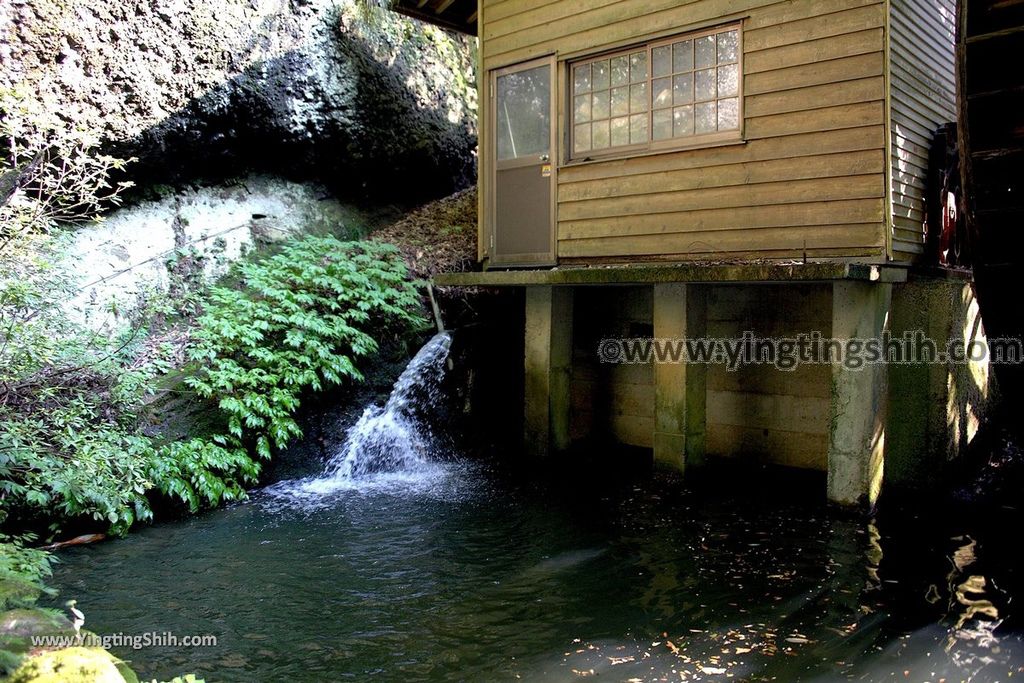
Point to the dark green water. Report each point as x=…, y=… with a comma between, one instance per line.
x=478, y=575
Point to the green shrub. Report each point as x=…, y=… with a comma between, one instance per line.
x=298, y=321
x=69, y=403
x=73, y=438
x=51, y=171
x=68, y=441
x=23, y=571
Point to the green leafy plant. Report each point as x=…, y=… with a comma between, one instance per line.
x=71, y=447
x=23, y=571
x=74, y=441
x=69, y=439
x=298, y=321
x=51, y=171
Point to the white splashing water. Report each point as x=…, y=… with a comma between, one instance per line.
x=389, y=447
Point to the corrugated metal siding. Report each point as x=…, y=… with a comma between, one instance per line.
x=923, y=89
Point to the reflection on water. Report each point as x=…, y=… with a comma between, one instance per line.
x=493, y=577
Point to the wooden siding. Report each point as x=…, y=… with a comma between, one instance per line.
x=923, y=97
x=810, y=178
x=758, y=411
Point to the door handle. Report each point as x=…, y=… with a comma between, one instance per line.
x=545, y=157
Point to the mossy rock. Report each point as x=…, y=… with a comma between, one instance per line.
x=19, y=626
x=15, y=590
x=33, y=622
x=71, y=665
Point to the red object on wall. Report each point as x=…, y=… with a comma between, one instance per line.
x=945, y=231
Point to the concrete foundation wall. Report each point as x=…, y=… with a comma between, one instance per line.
x=615, y=401
x=760, y=412
x=938, y=407
x=898, y=423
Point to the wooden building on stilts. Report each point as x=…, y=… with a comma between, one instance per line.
x=706, y=169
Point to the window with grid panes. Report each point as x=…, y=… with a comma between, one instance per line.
x=677, y=92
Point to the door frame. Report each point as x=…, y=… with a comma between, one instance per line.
x=521, y=260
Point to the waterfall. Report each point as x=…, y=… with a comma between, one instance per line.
x=390, y=443
x=394, y=438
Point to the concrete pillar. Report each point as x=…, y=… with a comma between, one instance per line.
x=548, y=368
x=856, y=449
x=941, y=404
x=680, y=389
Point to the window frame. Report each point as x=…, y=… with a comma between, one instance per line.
x=652, y=146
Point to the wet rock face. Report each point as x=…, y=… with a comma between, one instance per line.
x=349, y=94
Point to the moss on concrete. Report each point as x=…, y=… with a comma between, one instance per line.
x=649, y=273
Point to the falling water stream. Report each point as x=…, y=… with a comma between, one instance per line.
x=401, y=562
x=390, y=445
x=392, y=438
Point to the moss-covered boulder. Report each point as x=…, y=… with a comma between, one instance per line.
x=70, y=665
x=19, y=626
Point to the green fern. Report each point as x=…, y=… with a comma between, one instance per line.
x=300, y=320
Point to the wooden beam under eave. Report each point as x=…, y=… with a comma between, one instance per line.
x=471, y=19
x=447, y=14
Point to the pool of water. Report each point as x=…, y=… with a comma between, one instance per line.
x=471, y=572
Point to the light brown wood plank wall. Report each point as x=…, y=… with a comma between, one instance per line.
x=810, y=178
x=923, y=85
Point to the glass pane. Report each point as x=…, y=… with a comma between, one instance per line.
x=727, y=46
x=620, y=70
x=599, y=75
x=581, y=110
x=729, y=114
x=705, y=52
x=638, y=97
x=662, y=58
x=620, y=131
x=599, y=107
x=682, y=56
x=682, y=120
x=581, y=138
x=704, y=84
x=638, y=128
x=707, y=118
x=581, y=79
x=662, y=129
x=524, y=113
x=662, y=92
x=682, y=89
x=599, y=137
x=728, y=80
x=638, y=67
x=620, y=101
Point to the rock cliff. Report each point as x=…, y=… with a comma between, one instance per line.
x=343, y=92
